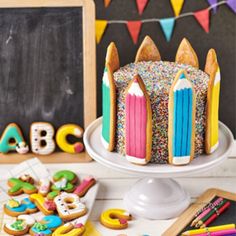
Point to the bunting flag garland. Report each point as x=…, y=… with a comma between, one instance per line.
x=134, y=28
x=100, y=29
x=203, y=19
x=232, y=5
x=167, y=26
x=107, y=3
x=214, y=4
x=177, y=6
x=141, y=4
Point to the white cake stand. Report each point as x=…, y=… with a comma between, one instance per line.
x=156, y=195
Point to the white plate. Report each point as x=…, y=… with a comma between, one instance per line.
x=92, y=141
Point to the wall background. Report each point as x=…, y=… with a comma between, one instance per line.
x=222, y=37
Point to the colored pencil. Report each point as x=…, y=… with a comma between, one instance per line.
x=208, y=229
x=219, y=233
x=212, y=211
x=214, y=216
x=206, y=211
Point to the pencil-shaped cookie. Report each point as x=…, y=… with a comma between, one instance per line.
x=109, y=98
x=138, y=123
x=213, y=95
x=181, y=130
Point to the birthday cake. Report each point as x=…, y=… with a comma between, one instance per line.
x=160, y=111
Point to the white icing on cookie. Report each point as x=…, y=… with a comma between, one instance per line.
x=61, y=183
x=44, y=186
x=37, y=138
x=68, y=203
x=28, y=219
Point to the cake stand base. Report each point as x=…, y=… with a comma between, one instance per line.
x=155, y=198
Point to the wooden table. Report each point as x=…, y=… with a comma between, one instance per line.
x=114, y=184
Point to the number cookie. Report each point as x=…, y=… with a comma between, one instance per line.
x=69, y=229
x=62, y=142
x=69, y=206
x=46, y=226
x=21, y=225
x=115, y=218
x=15, y=208
x=18, y=187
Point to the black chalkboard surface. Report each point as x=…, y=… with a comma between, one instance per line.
x=47, y=66
x=183, y=222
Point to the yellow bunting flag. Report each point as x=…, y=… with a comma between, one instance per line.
x=100, y=29
x=107, y=3
x=177, y=6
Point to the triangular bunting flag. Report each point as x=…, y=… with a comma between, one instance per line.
x=213, y=2
x=167, y=26
x=177, y=6
x=107, y=3
x=134, y=28
x=203, y=19
x=232, y=5
x=141, y=4
x=100, y=29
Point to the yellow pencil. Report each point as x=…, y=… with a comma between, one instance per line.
x=209, y=229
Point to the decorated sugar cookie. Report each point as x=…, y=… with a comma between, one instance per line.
x=44, y=186
x=69, y=229
x=15, y=208
x=22, y=147
x=213, y=95
x=85, y=185
x=11, y=136
x=18, y=187
x=109, y=98
x=186, y=54
x=115, y=218
x=69, y=206
x=138, y=123
x=41, y=138
x=147, y=51
x=46, y=226
x=62, y=142
x=181, y=129
x=42, y=203
x=27, y=178
x=20, y=226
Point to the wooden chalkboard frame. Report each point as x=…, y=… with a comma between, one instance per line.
x=89, y=73
x=186, y=217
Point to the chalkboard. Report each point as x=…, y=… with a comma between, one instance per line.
x=221, y=37
x=184, y=221
x=47, y=65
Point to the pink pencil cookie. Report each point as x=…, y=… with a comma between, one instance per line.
x=85, y=185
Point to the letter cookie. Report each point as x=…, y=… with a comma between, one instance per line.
x=41, y=203
x=15, y=208
x=18, y=187
x=69, y=206
x=44, y=186
x=69, y=229
x=213, y=95
x=109, y=98
x=186, y=55
x=41, y=138
x=61, y=138
x=181, y=128
x=10, y=138
x=115, y=218
x=46, y=226
x=86, y=184
x=138, y=123
x=21, y=225
x=147, y=51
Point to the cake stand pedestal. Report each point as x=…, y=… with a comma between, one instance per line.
x=156, y=195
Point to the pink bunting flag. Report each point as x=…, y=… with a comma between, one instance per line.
x=203, y=19
x=141, y=4
x=212, y=3
x=134, y=28
x=232, y=5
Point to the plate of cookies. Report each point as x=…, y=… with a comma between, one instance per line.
x=35, y=202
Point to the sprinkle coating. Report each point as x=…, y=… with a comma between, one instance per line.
x=158, y=77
